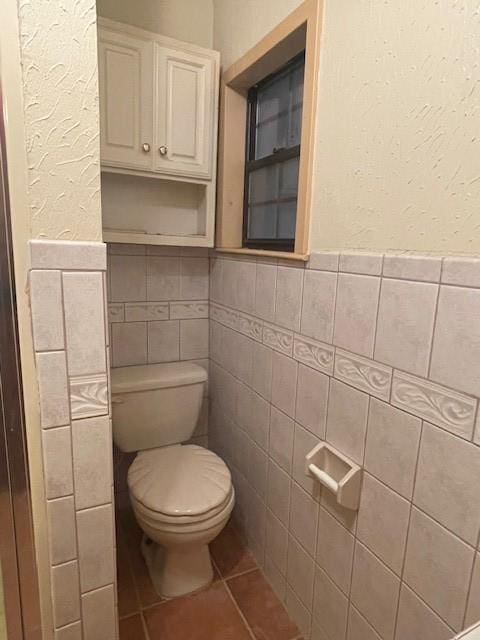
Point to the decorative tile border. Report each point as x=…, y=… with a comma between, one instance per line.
x=154, y=311
x=250, y=326
x=242, y=322
x=444, y=407
x=116, y=312
x=144, y=311
x=223, y=315
x=187, y=310
x=88, y=396
x=364, y=374
x=278, y=339
x=317, y=355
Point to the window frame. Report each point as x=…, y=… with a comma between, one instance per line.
x=299, y=31
x=277, y=157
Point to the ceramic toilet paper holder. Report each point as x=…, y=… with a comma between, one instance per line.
x=336, y=472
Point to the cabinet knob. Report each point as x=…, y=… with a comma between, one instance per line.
x=146, y=147
x=162, y=150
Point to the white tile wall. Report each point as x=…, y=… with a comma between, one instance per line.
x=158, y=310
x=382, y=362
x=67, y=290
x=158, y=304
x=377, y=354
x=356, y=313
x=405, y=324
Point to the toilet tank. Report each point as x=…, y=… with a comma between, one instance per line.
x=155, y=405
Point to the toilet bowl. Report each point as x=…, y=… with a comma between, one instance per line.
x=182, y=495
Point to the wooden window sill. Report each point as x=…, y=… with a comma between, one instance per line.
x=283, y=255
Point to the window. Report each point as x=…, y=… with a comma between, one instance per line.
x=266, y=141
x=272, y=158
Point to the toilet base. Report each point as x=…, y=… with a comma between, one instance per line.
x=179, y=570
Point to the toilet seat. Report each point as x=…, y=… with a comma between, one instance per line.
x=180, y=486
x=181, y=527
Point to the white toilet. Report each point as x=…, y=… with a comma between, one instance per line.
x=182, y=495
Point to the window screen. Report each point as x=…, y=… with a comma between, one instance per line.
x=273, y=153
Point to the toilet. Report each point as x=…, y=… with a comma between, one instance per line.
x=181, y=494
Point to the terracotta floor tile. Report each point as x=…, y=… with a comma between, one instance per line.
x=132, y=628
x=230, y=554
x=207, y=615
x=127, y=596
x=262, y=609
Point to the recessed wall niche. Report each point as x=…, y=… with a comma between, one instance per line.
x=163, y=208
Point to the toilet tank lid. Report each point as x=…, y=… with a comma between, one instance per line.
x=156, y=376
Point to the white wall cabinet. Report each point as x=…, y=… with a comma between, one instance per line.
x=157, y=103
x=125, y=73
x=158, y=120
x=184, y=103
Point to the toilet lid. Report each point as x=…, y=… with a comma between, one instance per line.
x=182, y=480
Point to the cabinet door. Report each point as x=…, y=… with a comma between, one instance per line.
x=184, y=113
x=126, y=95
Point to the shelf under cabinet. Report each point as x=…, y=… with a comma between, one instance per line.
x=144, y=211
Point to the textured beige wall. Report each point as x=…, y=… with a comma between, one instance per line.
x=60, y=88
x=240, y=24
x=187, y=20
x=397, y=145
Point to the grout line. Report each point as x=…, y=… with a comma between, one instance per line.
x=404, y=559
x=239, y=611
x=241, y=573
x=434, y=328
x=467, y=601
x=377, y=315
x=75, y=511
x=145, y=626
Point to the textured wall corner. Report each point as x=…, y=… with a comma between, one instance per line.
x=59, y=65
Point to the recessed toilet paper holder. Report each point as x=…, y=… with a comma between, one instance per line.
x=336, y=472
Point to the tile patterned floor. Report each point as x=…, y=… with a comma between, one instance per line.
x=239, y=605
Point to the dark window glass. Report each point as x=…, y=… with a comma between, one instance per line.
x=273, y=152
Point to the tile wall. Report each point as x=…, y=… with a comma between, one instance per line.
x=158, y=312
x=68, y=304
x=380, y=356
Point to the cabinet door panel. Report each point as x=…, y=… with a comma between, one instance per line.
x=184, y=113
x=126, y=94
